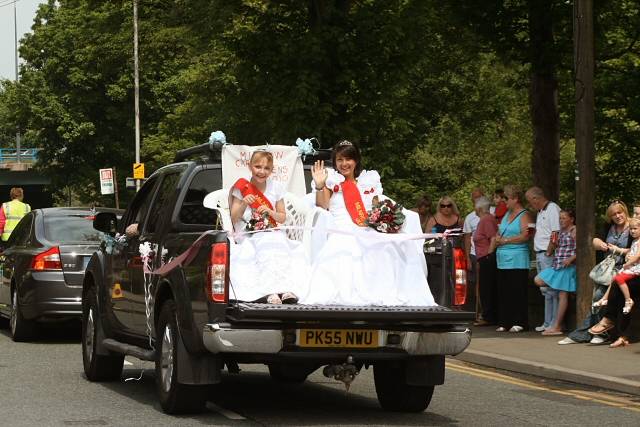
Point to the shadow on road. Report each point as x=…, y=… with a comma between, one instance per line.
x=67, y=332
x=257, y=397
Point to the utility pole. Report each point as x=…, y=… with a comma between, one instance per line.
x=136, y=84
x=15, y=34
x=585, y=150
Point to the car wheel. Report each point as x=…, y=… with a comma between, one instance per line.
x=289, y=373
x=394, y=394
x=21, y=328
x=175, y=398
x=96, y=367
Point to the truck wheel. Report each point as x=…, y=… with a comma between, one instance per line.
x=21, y=329
x=292, y=374
x=175, y=398
x=96, y=367
x=394, y=394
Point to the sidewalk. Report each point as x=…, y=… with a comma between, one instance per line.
x=531, y=353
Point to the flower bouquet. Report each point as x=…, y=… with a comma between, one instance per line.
x=385, y=216
x=258, y=222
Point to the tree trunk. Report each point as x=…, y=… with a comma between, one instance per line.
x=543, y=100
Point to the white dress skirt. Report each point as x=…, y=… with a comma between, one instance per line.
x=363, y=266
x=265, y=263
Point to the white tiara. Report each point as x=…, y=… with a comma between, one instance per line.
x=344, y=143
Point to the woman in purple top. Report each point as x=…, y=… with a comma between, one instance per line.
x=488, y=291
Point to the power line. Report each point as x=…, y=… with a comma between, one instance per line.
x=9, y=3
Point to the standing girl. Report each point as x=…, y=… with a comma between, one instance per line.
x=562, y=274
x=264, y=265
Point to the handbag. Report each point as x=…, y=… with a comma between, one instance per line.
x=603, y=272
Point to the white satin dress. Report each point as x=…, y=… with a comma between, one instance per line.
x=362, y=266
x=266, y=263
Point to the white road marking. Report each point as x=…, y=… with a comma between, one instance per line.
x=225, y=412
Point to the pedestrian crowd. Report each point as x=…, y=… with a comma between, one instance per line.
x=499, y=236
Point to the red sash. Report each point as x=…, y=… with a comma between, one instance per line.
x=353, y=202
x=247, y=188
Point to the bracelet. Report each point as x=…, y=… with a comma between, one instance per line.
x=321, y=188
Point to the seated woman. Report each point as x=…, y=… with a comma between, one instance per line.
x=355, y=266
x=265, y=264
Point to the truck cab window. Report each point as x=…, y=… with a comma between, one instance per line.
x=192, y=210
x=165, y=190
x=140, y=204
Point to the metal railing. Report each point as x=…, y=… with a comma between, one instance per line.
x=27, y=155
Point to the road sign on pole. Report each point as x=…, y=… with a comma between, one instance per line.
x=106, y=181
x=138, y=170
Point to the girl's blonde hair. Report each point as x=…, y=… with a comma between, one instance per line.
x=261, y=154
x=634, y=222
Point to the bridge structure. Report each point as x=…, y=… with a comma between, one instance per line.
x=17, y=170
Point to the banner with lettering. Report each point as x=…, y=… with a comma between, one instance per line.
x=287, y=166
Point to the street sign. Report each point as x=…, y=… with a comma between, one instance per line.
x=106, y=181
x=131, y=182
x=138, y=171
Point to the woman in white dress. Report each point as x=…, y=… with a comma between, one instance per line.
x=356, y=266
x=265, y=265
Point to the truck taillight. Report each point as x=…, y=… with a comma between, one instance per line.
x=460, y=267
x=47, y=260
x=217, y=273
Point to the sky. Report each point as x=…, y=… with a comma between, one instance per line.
x=25, y=11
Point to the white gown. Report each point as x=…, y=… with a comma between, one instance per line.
x=267, y=262
x=360, y=268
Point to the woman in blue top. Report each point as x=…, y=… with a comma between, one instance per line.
x=512, y=256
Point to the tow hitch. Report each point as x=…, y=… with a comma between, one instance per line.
x=346, y=372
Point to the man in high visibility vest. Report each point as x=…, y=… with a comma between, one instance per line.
x=12, y=212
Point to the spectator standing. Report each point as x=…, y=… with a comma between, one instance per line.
x=424, y=210
x=447, y=216
x=12, y=212
x=468, y=229
x=486, y=258
x=546, y=234
x=500, y=202
x=562, y=275
x=512, y=259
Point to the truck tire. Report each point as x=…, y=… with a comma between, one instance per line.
x=291, y=374
x=175, y=398
x=394, y=394
x=22, y=330
x=96, y=367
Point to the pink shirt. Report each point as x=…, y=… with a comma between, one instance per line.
x=487, y=228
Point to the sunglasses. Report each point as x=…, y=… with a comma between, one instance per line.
x=442, y=205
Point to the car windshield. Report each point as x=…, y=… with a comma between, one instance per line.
x=62, y=229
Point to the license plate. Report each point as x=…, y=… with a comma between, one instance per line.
x=344, y=338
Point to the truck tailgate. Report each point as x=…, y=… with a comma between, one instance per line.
x=248, y=312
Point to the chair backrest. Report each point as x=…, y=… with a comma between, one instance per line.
x=219, y=200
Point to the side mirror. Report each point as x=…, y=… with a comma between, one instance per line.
x=107, y=222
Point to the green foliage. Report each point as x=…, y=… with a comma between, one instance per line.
x=435, y=92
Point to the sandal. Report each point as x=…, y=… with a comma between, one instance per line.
x=620, y=342
x=628, y=305
x=274, y=299
x=600, y=303
x=289, y=298
x=601, y=327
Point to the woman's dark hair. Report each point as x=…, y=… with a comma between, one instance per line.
x=350, y=151
x=571, y=213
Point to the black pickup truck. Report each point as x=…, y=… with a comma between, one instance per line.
x=182, y=317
